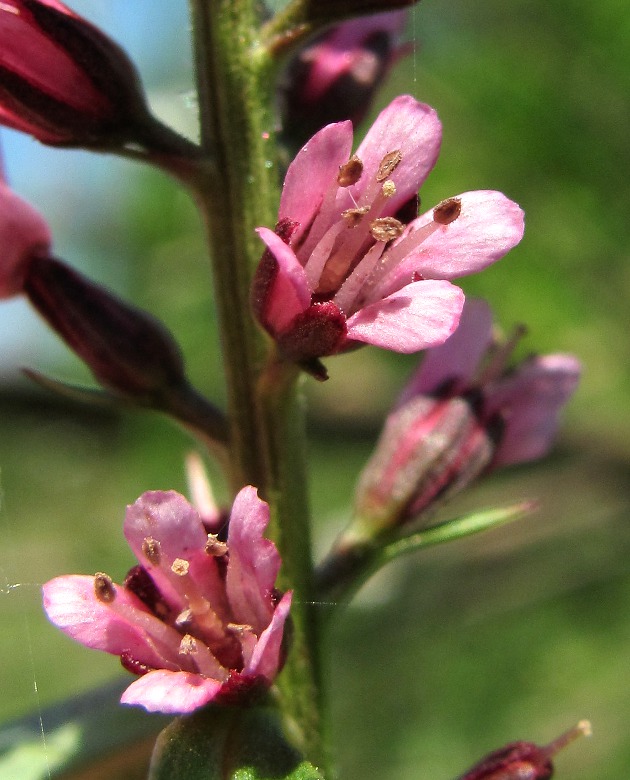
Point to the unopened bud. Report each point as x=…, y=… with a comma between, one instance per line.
x=524, y=760
x=63, y=80
x=127, y=350
x=335, y=76
x=430, y=448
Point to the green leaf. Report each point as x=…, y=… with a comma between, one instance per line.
x=229, y=743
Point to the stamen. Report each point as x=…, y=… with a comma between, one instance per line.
x=351, y=288
x=152, y=550
x=201, y=611
x=447, y=211
x=215, y=547
x=104, y=588
x=388, y=165
x=499, y=358
x=180, y=567
x=386, y=229
x=582, y=729
x=203, y=658
x=247, y=640
x=350, y=172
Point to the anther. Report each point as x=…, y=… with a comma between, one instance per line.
x=354, y=216
x=152, y=550
x=388, y=165
x=388, y=190
x=104, y=588
x=188, y=645
x=239, y=628
x=184, y=618
x=215, y=547
x=386, y=228
x=447, y=211
x=180, y=567
x=350, y=172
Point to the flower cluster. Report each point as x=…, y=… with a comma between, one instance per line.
x=198, y=619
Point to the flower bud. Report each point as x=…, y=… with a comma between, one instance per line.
x=126, y=349
x=524, y=760
x=335, y=76
x=462, y=414
x=63, y=80
x=430, y=447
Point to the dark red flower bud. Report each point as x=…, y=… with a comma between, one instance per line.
x=524, y=760
x=335, y=76
x=63, y=80
x=126, y=349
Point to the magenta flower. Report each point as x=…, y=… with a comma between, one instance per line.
x=462, y=414
x=335, y=76
x=345, y=266
x=24, y=234
x=61, y=79
x=199, y=619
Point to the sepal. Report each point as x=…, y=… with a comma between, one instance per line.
x=229, y=744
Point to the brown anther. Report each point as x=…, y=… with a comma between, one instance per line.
x=180, y=567
x=354, y=216
x=188, y=645
x=386, y=228
x=104, y=588
x=388, y=165
x=447, y=211
x=350, y=172
x=215, y=547
x=152, y=550
x=388, y=189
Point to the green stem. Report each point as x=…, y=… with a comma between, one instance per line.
x=237, y=189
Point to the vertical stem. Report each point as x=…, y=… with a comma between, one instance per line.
x=237, y=189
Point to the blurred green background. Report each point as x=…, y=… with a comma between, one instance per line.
x=516, y=634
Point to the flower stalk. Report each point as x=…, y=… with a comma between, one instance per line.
x=237, y=189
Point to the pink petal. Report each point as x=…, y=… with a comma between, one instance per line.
x=253, y=563
x=422, y=314
x=23, y=233
x=71, y=605
x=312, y=172
x=414, y=129
x=266, y=658
x=460, y=354
x=532, y=399
x=290, y=294
x=489, y=226
x=165, y=691
x=167, y=517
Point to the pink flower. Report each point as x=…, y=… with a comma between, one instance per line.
x=346, y=266
x=335, y=76
x=61, y=78
x=24, y=234
x=461, y=415
x=198, y=619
